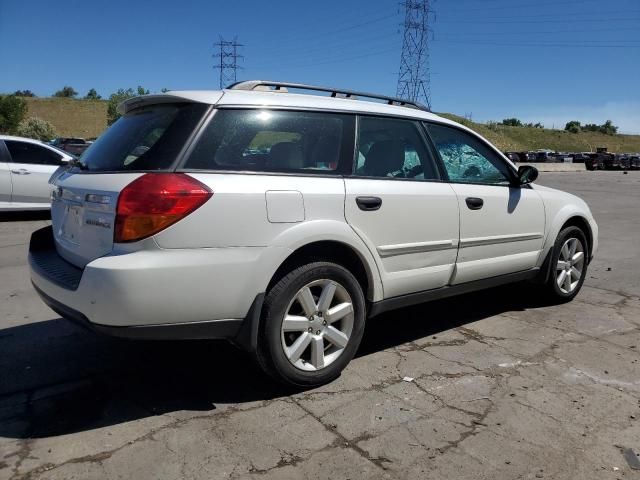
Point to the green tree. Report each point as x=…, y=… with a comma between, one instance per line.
x=24, y=93
x=608, y=128
x=512, y=122
x=12, y=111
x=92, y=95
x=37, y=128
x=573, y=126
x=66, y=92
x=118, y=97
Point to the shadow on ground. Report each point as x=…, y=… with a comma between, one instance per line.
x=57, y=378
x=25, y=216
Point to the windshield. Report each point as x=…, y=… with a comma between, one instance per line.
x=147, y=138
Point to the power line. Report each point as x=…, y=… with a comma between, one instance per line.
x=510, y=44
x=413, y=78
x=557, y=20
x=567, y=17
x=339, y=29
x=519, y=6
x=335, y=59
x=318, y=53
x=228, y=61
x=542, y=32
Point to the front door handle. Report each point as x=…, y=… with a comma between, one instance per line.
x=474, y=203
x=22, y=171
x=369, y=204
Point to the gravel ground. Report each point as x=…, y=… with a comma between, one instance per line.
x=502, y=385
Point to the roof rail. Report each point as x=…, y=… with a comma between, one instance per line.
x=335, y=92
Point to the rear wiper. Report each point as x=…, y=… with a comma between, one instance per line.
x=76, y=162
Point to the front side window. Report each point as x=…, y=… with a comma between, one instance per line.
x=393, y=148
x=467, y=159
x=274, y=141
x=23, y=152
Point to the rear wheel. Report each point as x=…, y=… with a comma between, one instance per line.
x=311, y=326
x=568, y=264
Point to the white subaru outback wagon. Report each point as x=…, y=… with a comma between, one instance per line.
x=281, y=221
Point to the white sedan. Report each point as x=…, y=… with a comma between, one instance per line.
x=25, y=168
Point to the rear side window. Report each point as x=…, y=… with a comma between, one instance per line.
x=275, y=141
x=147, y=138
x=23, y=152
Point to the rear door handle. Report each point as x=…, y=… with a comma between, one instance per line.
x=22, y=171
x=474, y=203
x=369, y=204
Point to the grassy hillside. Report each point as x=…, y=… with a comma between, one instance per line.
x=524, y=139
x=86, y=118
x=71, y=118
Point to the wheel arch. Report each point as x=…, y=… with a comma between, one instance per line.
x=583, y=224
x=317, y=250
x=572, y=220
x=332, y=251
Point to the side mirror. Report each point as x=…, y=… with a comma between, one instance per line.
x=527, y=174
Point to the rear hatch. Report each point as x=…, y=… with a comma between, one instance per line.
x=148, y=138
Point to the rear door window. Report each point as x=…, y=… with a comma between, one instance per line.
x=275, y=141
x=147, y=138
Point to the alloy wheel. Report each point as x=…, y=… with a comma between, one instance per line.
x=317, y=325
x=570, y=265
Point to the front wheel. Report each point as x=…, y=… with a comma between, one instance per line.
x=568, y=264
x=311, y=325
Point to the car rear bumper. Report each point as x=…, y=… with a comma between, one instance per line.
x=228, y=329
x=163, y=294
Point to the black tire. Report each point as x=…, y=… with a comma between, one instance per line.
x=271, y=355
x=552, y=288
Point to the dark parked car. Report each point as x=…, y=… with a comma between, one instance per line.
x=591, y=161
x=75, y=146
x=513, y=156
x=624, y=161
x=544, y=156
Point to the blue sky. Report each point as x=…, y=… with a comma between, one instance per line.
x=539, y=60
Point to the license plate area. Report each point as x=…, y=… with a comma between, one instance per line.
x=71, y=223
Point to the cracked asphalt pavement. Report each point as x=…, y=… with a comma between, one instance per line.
x=501, y=384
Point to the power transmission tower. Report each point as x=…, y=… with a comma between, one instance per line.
x=414, y=77
x=228, y=60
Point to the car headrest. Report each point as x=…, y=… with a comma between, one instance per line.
x=384, y=157
x=286, y=155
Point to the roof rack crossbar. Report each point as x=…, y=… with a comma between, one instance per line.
x=335, y=92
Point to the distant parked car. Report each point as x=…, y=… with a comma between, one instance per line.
x=579, y=157
x=610, y=161
x=544, y=157
x=75, y=146
x=624, y=161
x=634, y=161
x=513, y=156
x=591, y=161
x=25, y=168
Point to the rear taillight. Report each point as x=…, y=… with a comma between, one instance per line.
x=154, y=201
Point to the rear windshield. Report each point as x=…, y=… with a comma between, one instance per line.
x=147, y=138
x=275, y=141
